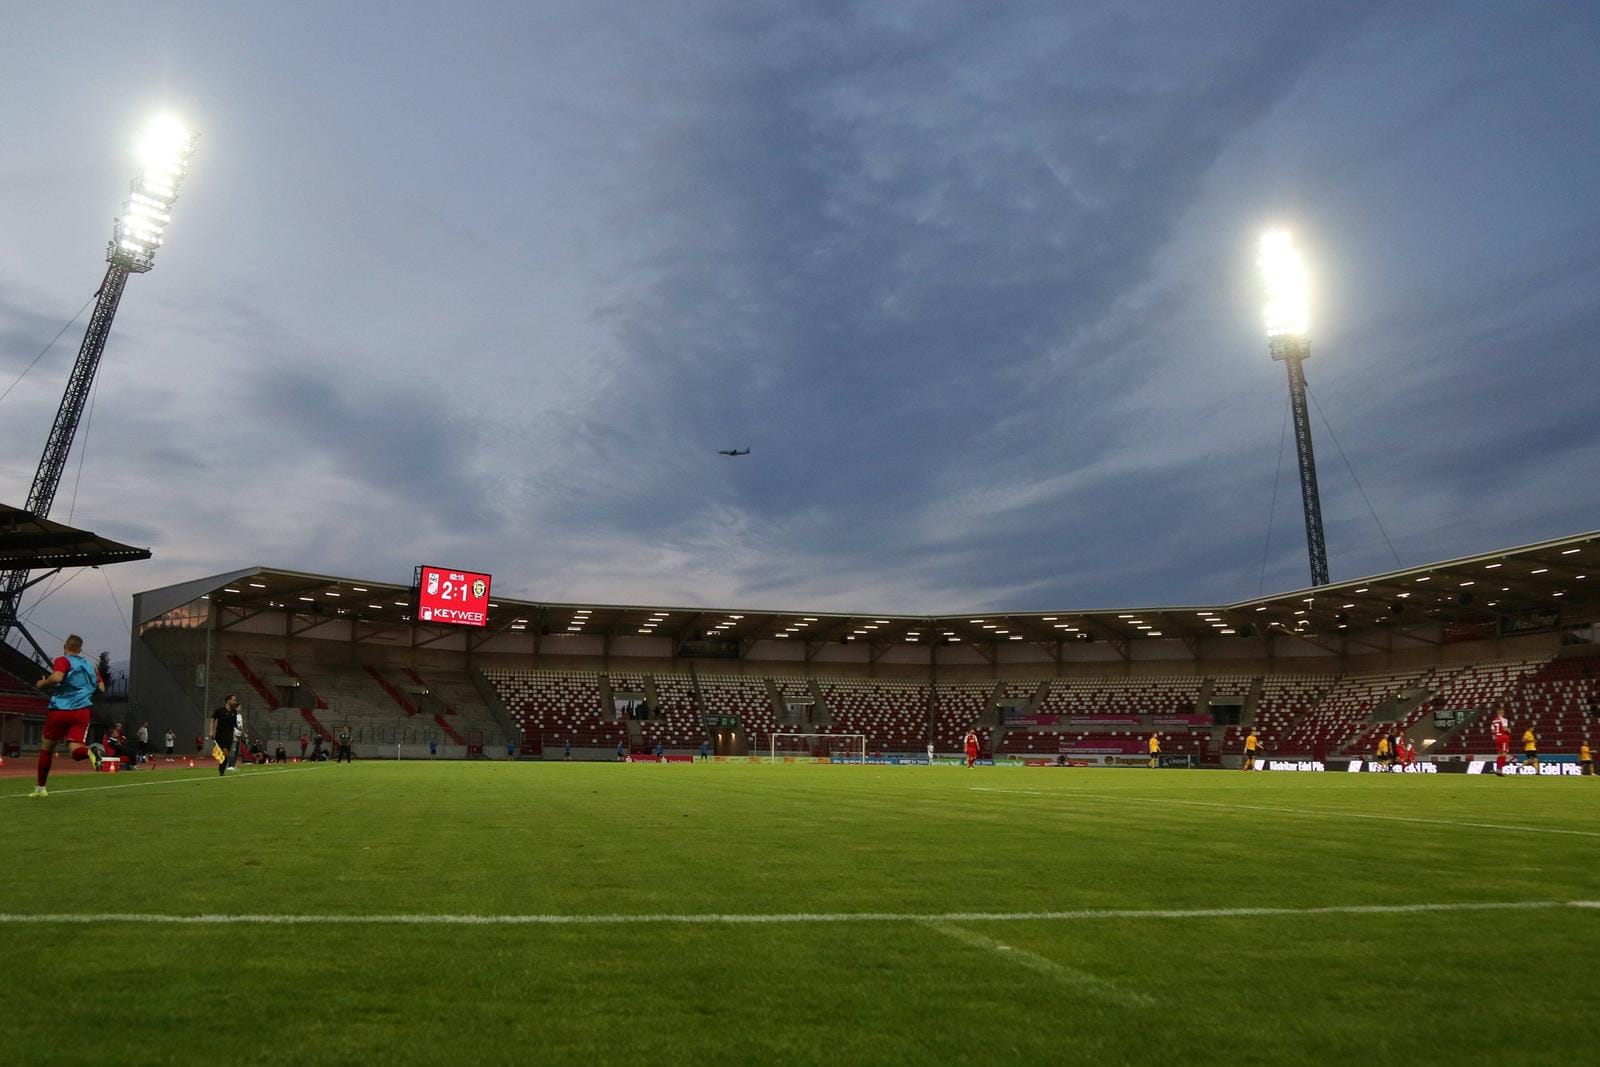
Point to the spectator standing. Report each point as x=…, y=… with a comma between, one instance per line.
x=144, y=741
x=172, y=743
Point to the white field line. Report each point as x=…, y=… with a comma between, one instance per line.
x=793, y=918
x=1312, y=813
x=54, y=792
x=1080, y=981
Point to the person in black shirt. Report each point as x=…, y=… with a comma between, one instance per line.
x=344, y=752
x=225, y=732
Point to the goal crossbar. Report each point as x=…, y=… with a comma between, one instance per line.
x=850, y=747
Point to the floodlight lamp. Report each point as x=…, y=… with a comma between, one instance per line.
x=163, y=150
x=165, y=144
x=1283, y=275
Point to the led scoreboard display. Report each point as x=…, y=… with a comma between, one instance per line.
x=444, y=595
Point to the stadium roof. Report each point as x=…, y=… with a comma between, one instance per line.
x=28, y=542
x=1537, y=587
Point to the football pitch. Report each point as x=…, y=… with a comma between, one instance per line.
x=735, y=913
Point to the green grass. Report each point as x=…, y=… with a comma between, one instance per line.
x=597, y=839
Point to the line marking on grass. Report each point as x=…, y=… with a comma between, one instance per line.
x=1293, y=811
x=1081, y=981
x=793, y=918
x=135, y=785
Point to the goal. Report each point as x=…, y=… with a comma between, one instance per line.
x=839, y=748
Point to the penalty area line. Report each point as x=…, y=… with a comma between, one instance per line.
x=794, y=918
x=1089, y=985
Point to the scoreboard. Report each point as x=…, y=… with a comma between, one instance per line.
x=459, y=597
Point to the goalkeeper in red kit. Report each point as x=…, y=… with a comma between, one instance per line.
x=971, y=747
x=73, y=682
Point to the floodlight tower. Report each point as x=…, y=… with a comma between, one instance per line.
x=164, y=151
x=1284, y=276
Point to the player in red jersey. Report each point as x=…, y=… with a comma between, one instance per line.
x=1502, y=743
x=74, y=682
x=971, y=747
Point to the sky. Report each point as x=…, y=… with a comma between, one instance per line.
x=489, y=285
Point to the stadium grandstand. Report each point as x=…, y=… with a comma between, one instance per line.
x=1427, y=652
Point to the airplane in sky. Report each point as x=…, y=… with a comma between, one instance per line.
x=733, y=451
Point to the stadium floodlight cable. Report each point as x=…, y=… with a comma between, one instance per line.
x=164, y=149
x=1287, y=321
x=1272, y=508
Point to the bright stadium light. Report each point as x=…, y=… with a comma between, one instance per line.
x=164, y=149
x=1283, y=275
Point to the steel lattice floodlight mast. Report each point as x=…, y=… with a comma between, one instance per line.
x=164, y=151
x=1284, y=275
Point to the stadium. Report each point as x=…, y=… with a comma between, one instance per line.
x=1320, y=673
x=528, y=653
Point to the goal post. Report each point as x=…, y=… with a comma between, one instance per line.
x=839, y=748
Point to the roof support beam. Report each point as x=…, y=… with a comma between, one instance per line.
x=418, y=629
x=239, y=616
x=686, y=633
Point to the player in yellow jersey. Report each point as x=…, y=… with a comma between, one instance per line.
x=1530, y=749
x=1252, y=745
x=1585, y=759
x=1155, y=750
x=1383, y=750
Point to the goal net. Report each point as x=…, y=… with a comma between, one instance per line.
x=839, y=748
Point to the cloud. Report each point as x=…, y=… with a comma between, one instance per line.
x=972, y=281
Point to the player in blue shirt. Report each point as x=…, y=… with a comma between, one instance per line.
x=73, y=682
